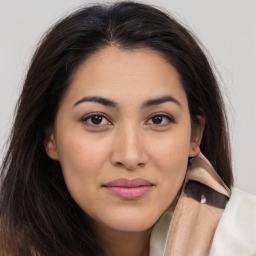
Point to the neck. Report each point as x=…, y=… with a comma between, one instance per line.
x=116, y=243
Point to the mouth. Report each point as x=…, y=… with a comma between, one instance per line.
x=129, y=189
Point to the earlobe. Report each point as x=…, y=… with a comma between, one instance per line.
x=196, y=137
x=194, y=149
x=50, y=147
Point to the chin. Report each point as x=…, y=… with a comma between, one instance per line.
x=132, y=227
x=131, y=221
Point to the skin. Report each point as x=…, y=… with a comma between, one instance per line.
x=127, y=142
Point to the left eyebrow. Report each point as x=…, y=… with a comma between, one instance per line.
x=158, y=101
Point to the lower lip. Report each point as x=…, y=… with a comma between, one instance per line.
x=130, y=193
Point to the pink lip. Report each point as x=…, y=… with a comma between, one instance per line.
x=129, y=189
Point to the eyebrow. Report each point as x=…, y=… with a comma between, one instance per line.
x=103, y=101
x=111, y=103
x=158, y=101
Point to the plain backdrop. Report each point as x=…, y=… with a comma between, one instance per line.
x=227, y=28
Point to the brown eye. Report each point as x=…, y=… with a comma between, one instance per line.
x=157, y=119
x=160, y=120
x=95, y=120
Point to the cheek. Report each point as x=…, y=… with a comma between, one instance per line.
x=82, y=162
x=172, y=149
x=171, y=160
x=79, y=153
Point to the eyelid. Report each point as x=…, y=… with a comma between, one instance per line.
x=170, y=118
x=87, y=116
x=163, y=114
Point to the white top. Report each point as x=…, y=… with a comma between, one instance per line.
x=236, y=232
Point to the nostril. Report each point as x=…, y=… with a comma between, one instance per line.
x=130, y=167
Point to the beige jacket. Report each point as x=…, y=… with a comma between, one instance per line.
x=199, y=225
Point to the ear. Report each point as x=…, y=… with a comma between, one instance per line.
x=196, y=137
x=50, y=147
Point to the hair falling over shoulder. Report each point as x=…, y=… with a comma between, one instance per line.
x=38, y=216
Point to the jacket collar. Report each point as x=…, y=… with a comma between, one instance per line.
x=188, y=226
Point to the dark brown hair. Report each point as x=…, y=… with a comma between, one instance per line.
x=37, y=214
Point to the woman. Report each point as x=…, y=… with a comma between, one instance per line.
x=104, y=157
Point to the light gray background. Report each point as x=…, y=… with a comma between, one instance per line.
x=226, y=27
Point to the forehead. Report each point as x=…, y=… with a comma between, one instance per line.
x=119, y=73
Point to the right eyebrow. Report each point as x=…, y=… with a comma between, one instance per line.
x=100, y=100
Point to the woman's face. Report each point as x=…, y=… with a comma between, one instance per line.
x=123, y=137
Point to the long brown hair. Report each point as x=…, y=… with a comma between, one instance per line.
x=37, y=214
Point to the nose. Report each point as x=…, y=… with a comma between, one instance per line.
x=129, y=149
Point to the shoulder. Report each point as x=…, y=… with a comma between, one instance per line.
x=236, y=231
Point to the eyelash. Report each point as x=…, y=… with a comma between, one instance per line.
x=101, y=115
x=89, y=116
x=162, y=115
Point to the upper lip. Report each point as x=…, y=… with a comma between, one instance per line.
x=128, y=183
